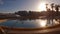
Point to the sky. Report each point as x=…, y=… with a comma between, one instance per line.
x=18, y=5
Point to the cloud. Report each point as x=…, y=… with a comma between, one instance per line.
x=1, y=2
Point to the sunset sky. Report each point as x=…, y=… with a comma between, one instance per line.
x=16, y=5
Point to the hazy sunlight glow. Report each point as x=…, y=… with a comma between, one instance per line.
x=42, y=7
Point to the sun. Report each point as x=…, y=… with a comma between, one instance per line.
x=42, y=7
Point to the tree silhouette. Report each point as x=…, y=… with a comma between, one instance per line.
x=52, y=6
x=46, y=6
x=57, y=8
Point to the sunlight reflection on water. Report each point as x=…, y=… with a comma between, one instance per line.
x=38, y=23
x=28, y=23
x=42, y=23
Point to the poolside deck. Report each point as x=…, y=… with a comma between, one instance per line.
x=29, y=30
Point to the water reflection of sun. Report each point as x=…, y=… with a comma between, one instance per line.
x=42, y=23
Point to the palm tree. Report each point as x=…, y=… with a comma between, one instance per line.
x=48, y=14
x=46, y=6
x=52, y=6
x=57, y=8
